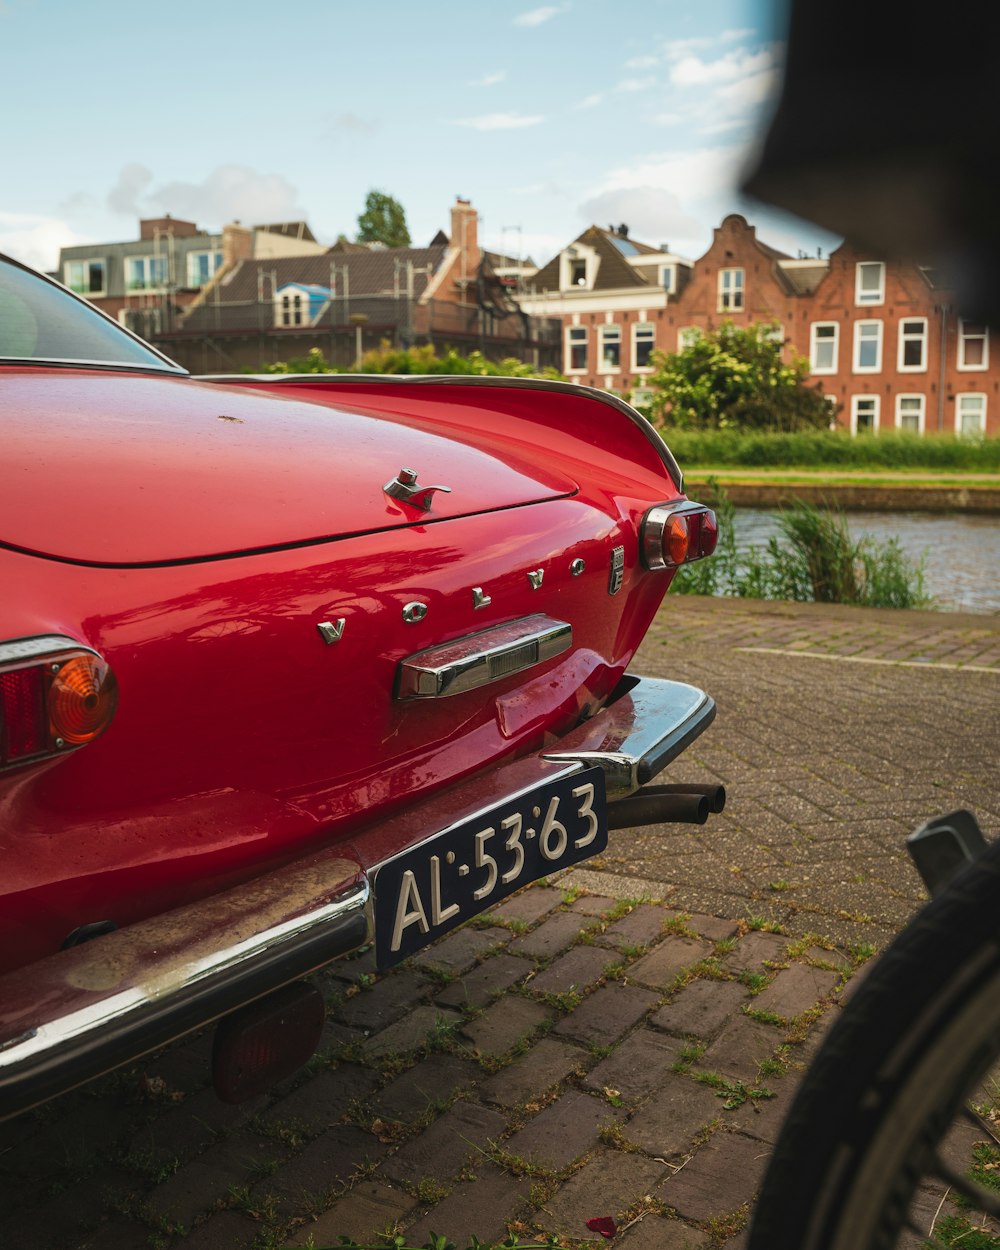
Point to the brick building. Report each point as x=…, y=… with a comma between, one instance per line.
x=883, y=339
x=350, y=296
x=148, y=283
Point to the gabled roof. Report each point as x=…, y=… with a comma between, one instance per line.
x=613, y=273
x=505, y=262
x=290, y=229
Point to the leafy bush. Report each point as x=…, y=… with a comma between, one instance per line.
x=416, y=360
x=735, y=378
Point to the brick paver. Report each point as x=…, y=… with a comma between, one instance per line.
x=577, y=1056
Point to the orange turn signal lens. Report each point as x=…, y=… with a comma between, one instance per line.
x=676, y=537
x=82, y=699
x=54, y=696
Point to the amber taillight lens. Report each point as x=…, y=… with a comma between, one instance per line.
x=54, y=696
x=675, y=534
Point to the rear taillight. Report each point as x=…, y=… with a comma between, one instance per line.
x=677, y=533
x=54, y=696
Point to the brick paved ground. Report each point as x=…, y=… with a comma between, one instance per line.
x=621, y=1041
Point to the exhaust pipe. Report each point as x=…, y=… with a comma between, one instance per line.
x=666, y=805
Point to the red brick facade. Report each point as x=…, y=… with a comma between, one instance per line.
x=886, y=344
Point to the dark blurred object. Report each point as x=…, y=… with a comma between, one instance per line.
x=887, y=132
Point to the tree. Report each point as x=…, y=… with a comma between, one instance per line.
x=735, y=378
x=383, y=221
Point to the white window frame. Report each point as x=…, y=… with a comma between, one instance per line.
x=856, y=402
x=148, y=284
x=868, y=297
x=857, y=366
x=582, y=334
x=732, y=290
x=193, y=279
x=965, y=338
x=610, y=332
x=921, y=412
x=648, y=334
x=905, y=338
x=86, y=262
x=814, y=340
x=960, y=399
x=667, y=275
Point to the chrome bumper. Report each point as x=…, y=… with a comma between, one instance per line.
x=71, y=1016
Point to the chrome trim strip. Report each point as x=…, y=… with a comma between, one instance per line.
x=634, y=738
x=77, y=1013
x=44, y=644
x=649, y=431
x=481, y=658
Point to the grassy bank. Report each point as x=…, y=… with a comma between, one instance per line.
x=723, y=451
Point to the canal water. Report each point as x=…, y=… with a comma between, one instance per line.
x=960, y=550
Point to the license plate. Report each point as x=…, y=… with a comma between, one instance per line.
x=466, y=869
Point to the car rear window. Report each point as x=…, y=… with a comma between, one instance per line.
x=40, y=321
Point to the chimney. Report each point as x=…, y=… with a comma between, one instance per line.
x=464, y=235
x=237, y=243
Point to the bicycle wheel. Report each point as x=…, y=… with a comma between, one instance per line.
x=867, y=1126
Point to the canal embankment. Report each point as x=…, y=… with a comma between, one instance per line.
x=849, y=492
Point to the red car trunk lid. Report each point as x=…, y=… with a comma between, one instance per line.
x=201, y=471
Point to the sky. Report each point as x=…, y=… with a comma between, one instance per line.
x=548, y=117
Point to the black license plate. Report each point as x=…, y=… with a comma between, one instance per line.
x=466, y=869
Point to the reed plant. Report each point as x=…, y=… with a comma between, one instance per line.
x=812, y=558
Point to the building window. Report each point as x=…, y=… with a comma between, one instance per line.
x=145, y=273
x=201, y=266
x=913, y=345
x=576, y=349
x=869, y=282
x=730, y=290
x=867, y=346
x=643, y=342
x=823, y=346
x=610, y=347
x=642, y=397
x=145, y=322
x=970, y=415
x=290, y=310
x=973, y=345
x=668, y=278
x=910, y=413
x=687, y=337
x=864, y=414
x=86, y=277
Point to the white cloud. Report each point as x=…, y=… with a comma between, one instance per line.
x=588, y=102
x=229, y=192
x=653, y=214
x=124, y=195
x=693, y=71
x=35, y=240
x=642, y=62
x=670, y=196
x=499, y=121
x=488, y=80
x=635, y=84
x=535, y=17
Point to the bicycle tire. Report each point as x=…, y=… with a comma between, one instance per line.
x=895, y=1070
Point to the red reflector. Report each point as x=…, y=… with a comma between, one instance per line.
x=709, y=533
x=23, y=723
x=266, y=1041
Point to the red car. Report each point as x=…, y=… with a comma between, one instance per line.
x=289, y=665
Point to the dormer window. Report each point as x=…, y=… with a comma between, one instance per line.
x=668, y=278
x=578, y=268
